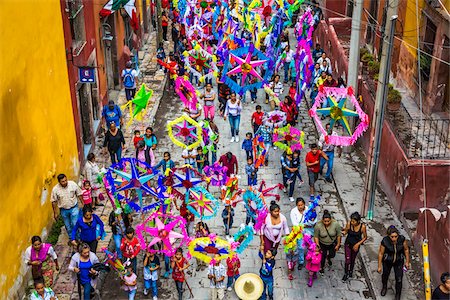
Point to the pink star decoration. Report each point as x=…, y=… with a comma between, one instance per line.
x=246, y=66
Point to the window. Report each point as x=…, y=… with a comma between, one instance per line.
x=428, y=49
x=77, y=27
x=350, y=4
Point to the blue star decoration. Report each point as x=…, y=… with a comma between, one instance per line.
x=338, y=113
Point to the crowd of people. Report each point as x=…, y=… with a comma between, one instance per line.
x=85, y=228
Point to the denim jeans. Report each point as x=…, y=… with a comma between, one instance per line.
x=129, y=93
x=70, y=217
x=114, y=155
x=167, y=264
x=131, y=294
x=214, y=154
x=253, y=94
x=300, y=252
x=227, y=226
x=289, y=176
x=151, y=284
x=87, y=289
x=231, y=279
x=234, y=124
x=179, y=285
x=329, y=163
x=268, y=286
x=252, y=180
x=286, y=71
x=249, y=154
x=117, y=242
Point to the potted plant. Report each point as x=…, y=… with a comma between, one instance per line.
x=366, y=57
x=373, y=67
x=362, y=51
x=394, y=99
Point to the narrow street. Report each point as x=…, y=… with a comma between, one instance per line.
x=328, y=286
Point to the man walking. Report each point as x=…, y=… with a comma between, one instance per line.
x=65, y=196
x=129, y=76
x=329, y=151
x=312, y=160
x=112, y=113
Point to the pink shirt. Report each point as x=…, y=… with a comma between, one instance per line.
x=129, y=280
x=87, y=196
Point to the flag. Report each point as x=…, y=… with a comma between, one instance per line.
x=113, y=5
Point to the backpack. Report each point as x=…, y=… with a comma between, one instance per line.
x=128, y=79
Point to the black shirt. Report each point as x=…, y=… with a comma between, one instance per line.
x=438, y=294
x=114, y=142
x=393, y=252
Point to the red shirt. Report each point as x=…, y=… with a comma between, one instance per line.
x=136, y=140
x=230, y=266
x=178, y=275
x=130, y=249
x=257, y=117
x=228, y=163
x=311, y=158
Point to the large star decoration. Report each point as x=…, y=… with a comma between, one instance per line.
x=338, y=113
x=140, y=102
x=246, y=66
x=186, y=179
x=202, y=204
x=130, y=178
x=185, y=130
x=164, y=233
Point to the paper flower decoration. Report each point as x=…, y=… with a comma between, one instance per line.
x=272, y=95
x=202, y=248
x=140, y=103
x=310, y=213
x=114, y=262
x=244, y=65
x=200, y=63
x=186, y=91
x=202, y=204
x=163, y=231
x=216, y=175
x=336, y=98
x=131, y=178
x=274, y=119
x=209, y=136
x=288, y=137
x=187, y=129
x=290, y=241
x=255, y=206
x=259, y=151
x=244, y=237
x=230, y=191
x=182, y=180
x=266, y=191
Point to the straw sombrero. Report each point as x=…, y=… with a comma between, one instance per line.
x=249, y=286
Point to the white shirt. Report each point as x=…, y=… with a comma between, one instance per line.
x=326, y=147
x=27, y=255
x=296, y=216
x=289, y=56
x=189, y=161
x=320, y=60
x=48, y=294
x=218, y=271
x=91, y=170
x=133, y=73
x=66, y=197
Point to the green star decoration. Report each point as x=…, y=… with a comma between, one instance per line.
x=338, y=113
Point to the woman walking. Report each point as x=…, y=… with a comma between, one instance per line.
x=87, y=225
x=81, y=266
x=393, y=252
x=233, y=111
x=92, y=171
x=327, y=234
x=115, y=142
x=274, y=228
x=356, y=235
x=42, y=258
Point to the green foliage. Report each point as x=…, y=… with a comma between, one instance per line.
x=55, y=231
x=366, y=57
x=373, y=67
x=394, y=95
x=362, y=51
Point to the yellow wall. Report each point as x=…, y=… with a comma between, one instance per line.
x=410, y=25
x=37, y=133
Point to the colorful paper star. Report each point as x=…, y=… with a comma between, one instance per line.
x=338, y=113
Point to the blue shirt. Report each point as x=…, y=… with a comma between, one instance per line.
x=113, y=115
x=247, y=145
x=150, y=141
x=84, y=271
x=267, y=267
x=88, y=233
x=165, y=164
